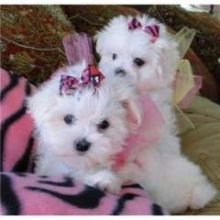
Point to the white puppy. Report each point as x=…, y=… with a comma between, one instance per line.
x=140, y=50
x=80, y=127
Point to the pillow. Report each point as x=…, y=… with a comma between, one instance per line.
x=29, y=194
x=17, y=143
x=202, y=145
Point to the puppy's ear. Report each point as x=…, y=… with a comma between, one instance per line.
x=42, y=102
x=133, y=112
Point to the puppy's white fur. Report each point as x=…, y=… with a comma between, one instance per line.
x=171, y=179
x=57, y=154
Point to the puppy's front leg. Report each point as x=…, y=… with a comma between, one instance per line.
x=105, y=180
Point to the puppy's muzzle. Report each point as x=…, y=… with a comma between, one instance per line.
x=120, y=72
x=82, y=145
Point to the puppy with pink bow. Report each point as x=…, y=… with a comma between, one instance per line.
x=90, y=127
x=141, y=51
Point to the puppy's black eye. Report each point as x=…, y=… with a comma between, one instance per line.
x=103, y=125
x=114, y=56
x=139, y=62
x=68, y=119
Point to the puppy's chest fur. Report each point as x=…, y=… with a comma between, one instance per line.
x=163, y=100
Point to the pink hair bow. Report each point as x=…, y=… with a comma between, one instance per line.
x=91, y=76
x=134, y=24
x=152, y=30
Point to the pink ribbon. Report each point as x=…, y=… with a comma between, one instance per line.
x=146, y=135
x=91, y=75
x=134, y=24
x=152, y=30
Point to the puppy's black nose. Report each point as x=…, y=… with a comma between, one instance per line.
x=82, y=145
x=120, y=72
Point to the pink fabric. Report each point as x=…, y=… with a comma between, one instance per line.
x=36, y=195
x=149, y=131
x=18, y=133
x=4, y=78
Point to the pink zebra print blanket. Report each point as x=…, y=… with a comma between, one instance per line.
x=24, y=193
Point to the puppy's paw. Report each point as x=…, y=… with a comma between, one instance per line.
x=111, y=185
x=201, y=195
x=105, y=181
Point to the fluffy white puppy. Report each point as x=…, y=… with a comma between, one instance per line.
x=140, y=50
x=81, y=127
